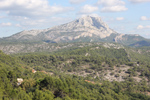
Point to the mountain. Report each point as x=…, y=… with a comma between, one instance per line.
x=85, y=29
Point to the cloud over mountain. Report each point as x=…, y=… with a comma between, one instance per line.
x=139, y=27
x=87, y=9
x=120, y=18
x=112, y=5
x=76, y=1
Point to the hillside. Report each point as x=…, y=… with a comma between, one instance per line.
x=93, y=61
x=14, y=48
x=83, y=73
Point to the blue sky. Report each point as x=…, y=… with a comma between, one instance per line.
x=124, y=16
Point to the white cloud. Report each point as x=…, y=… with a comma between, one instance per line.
x=143, y=27
x=84, y=15
x=140, y=27
x=144, y=18
x=114, y=9
x=139, y=1
x=111, y=2
x=6, y=24
x=41, y=23
x=1, y=17
x=94, y=15
x=120, y=18
x=76, y=1
x=31, y=14
x=18, y=25
x=147, y=27
x=87, y=9
x=112, y=5
x=30, y=8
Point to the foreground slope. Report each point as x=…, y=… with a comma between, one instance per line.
x=62, y=85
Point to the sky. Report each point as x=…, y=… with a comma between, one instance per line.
x=123, y=16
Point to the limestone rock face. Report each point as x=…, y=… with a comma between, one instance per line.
x=83, y=27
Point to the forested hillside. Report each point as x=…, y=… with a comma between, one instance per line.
x=80, y=73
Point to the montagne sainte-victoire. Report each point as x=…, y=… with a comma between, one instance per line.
x=85, y=29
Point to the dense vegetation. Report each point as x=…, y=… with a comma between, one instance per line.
x=58, y=78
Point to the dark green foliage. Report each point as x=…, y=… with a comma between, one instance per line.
x=141, y=43
x=61, y=86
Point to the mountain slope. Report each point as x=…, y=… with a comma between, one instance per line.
x=87, y=26
x=85, y=29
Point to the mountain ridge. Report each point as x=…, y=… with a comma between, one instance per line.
x=85, y=29
x=92, y=25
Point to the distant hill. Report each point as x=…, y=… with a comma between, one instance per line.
x=141, y=43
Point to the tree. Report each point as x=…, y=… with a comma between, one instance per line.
x=28, y=83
